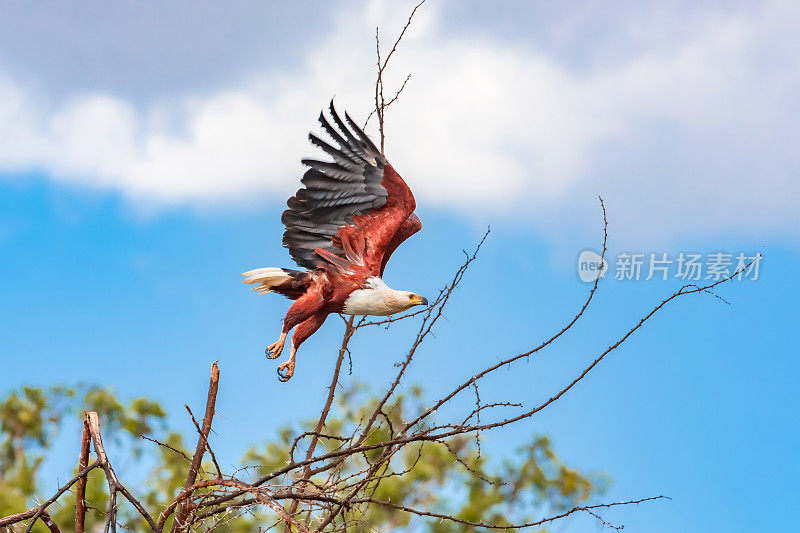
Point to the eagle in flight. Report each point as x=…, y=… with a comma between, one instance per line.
x=341, y=227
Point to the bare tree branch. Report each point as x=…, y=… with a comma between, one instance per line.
x=49, y=523
x=114, y=485
x=36, y=512
x=450, y=518
x=202, y=444
x=80, y=495
x=348, y=333
x=202, y=437
x=167, y=446
x=380, y=101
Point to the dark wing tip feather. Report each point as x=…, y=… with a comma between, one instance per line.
x=365, y=139
x=334, y=192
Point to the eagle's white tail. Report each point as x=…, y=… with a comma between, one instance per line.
x=265, y=279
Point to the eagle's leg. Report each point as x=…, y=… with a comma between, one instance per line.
x=303, y=331
x=274, y=350
x=301, y=309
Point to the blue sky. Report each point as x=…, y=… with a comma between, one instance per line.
x=144, y=163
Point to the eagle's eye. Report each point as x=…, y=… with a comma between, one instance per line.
x=410, y=296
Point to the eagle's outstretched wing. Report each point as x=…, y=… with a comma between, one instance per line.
x=353, y=212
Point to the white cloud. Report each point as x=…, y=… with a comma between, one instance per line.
x=689, y=135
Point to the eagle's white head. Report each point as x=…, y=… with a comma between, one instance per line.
x=378, y=299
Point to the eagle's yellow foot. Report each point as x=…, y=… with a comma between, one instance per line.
x=274, y=350
x=286, y=370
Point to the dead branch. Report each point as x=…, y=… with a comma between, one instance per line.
x=587, y=508
x=205, y=441
x=36, y=512
x=202, y=443
x=167, y=446
x=92, y=428
x=380, y=101
x=80, y=495
x=348, y=333
x=49, y=523
x=114, y=484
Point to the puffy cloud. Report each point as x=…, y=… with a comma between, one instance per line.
x=695, y=134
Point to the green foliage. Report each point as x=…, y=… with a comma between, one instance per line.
x=455, y=478
x=29, y=423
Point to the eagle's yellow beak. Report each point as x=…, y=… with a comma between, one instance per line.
x=418, y=300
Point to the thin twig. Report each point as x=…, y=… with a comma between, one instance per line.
x=167, y=446
x=205, y=440
x=585, y=508
x=35, y=512
x=380, y=101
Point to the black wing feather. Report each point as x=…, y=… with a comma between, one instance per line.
x=333, y=192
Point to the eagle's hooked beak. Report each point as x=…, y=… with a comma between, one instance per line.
x=419, y=300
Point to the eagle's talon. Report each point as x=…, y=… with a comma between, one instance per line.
x=287, y=367
x=274, y=350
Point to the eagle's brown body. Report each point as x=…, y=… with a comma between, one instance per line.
x=343, y=226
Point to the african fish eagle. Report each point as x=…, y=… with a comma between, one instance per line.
x=342, y=226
